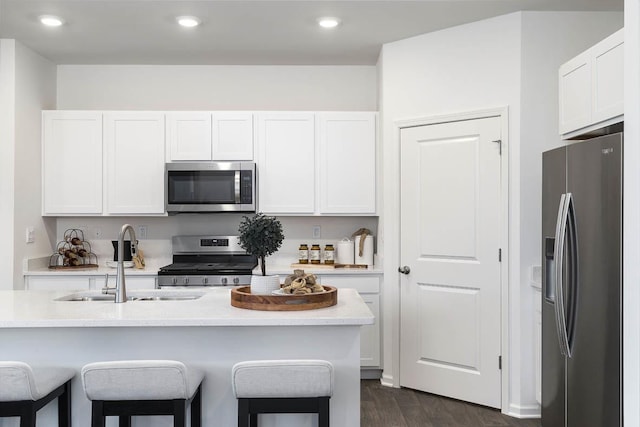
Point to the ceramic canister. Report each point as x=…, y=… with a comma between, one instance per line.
x=344, y=251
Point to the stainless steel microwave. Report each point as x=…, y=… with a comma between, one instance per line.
x=210, y=187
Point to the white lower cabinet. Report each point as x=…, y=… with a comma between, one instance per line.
x=537, y=327
x=368, y=286
x=69, y=282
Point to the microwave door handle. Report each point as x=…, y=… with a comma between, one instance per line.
x=237, y=186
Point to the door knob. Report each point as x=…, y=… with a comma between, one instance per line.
x=404, y=270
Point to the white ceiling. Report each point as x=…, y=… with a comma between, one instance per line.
x=238, y=32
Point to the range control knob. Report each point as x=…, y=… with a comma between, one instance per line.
x=236, y=280
x=223, y=280
x=185, y=281
x=205, y=280
x=174, y=280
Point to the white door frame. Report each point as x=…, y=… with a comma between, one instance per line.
x=391, y=246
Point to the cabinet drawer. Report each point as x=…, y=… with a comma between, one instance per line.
x=362, y=284
x=56, y=283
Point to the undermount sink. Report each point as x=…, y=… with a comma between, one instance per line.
x=135, y=295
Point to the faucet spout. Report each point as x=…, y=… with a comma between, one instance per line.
x=121, y=288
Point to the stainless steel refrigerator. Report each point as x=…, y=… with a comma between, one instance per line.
x=582, y=284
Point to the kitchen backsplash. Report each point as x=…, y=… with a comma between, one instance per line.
x=100, y=231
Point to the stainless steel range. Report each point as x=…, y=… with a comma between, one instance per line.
x=207, y=261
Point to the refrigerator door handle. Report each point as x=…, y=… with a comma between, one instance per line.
x=561, y=234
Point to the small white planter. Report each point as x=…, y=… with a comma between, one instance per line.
x=264, y=285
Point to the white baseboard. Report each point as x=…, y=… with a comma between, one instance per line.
x=387, y=380
x=526, y=411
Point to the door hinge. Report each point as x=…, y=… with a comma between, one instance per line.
x=499, y=254
x=499, y=142
x=500, y=362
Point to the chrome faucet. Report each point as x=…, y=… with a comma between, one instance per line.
x=120, y=291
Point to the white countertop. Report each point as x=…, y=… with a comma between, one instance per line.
x=38, y=309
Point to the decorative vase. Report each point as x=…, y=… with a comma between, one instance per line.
x=264, y=285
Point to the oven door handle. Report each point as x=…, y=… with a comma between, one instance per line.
x=237, y=187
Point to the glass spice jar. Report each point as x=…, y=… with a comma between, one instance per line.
x=303, y=254
x=314, y=254
x=329, y=254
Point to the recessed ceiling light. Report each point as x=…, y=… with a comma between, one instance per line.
x=188, y=21
x=328, y=22
x=51, y=20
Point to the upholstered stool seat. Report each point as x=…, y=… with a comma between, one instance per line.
x=24, y=390
x=282, y=386
x=142, y=387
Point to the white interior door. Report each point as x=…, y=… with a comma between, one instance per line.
x=450, y=240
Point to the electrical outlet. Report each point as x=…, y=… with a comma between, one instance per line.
x=30, y=235
x=316, y=231
x=142, y=232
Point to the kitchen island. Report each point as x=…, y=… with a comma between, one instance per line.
x=206, y=332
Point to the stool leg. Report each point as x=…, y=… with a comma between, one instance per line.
x=64, y=406
x=28, y=415
x=323, y=412
x=124, y=421
x=243, y=413
x=97, y=413
x=196, y=408
x=179, y=412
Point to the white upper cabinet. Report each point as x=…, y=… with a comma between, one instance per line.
x=188, y=135
x=202, y=135
x=71, y=163
x=286, y=163
x=592, y=88
x=232, y=136
x=135, y=162
x=347, y=163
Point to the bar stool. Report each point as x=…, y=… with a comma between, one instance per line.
x=142, y=387
x=281, y=387
x=25, y=390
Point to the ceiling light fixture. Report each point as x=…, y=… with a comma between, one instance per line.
x=328, y=22
x=188, y=21
x=51, y=20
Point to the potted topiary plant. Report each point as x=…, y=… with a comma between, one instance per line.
x=261, y=236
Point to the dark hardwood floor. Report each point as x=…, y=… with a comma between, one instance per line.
x=391, y=407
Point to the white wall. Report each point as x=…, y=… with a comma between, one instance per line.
x=27, y=85
x=511, y=61
x=548, y=40
x=7, y=132
x=153, y=87
x=35, y=88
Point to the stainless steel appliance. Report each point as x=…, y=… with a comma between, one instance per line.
x=582, y=284
x=207, y=261
x=210, y=187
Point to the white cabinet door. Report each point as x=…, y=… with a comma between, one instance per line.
x=347, y=163
x=189, y=135
x=286, y=163
x=368, y=286
x=370, y=334
x=232, y=136
x=71, y=163
x=56, y=283
x=131, y=282
x=135, y=162
x=575, y=93
x=608, y=77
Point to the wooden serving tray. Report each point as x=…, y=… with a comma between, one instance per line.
x=243, y=298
